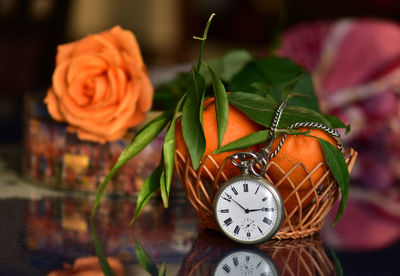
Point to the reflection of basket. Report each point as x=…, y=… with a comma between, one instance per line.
x=300, y=257
x=292, y=257
x=201, y=186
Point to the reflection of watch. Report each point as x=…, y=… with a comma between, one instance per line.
x=246, y=262
x=248, y=209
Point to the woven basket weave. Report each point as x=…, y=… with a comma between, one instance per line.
x=201, y=186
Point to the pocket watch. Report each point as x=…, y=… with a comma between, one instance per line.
x=248, y=209
x=246, y=262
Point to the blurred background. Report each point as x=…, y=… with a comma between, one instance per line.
x=31, y=30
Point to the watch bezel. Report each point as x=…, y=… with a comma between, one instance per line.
x=275, y=194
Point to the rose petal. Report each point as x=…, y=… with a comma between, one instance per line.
x=146, y=94
x=52, y=106
x=64, y=52
x=59, y=79
x=86, y=66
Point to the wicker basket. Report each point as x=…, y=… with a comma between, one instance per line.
x=201, y=186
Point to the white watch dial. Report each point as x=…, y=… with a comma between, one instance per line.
x=246, y=262
x=247, y=210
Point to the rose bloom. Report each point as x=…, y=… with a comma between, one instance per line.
x=100, y=86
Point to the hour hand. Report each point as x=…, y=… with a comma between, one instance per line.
x=262, y=209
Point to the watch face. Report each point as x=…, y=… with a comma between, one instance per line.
x=248, y=209
x=246, y=262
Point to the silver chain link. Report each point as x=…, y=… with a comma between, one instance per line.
x=249, y=160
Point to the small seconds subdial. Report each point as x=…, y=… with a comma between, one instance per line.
x=248, y=209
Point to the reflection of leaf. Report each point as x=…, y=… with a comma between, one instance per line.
x=163, y=270
x=144, y=136
x=168, y=155
x=221, y=105
x=144, y=260
x=252, y=139
x=338, y=167
x=338, y=265
x=151, y=185
x=105, y=266
x=192, y=114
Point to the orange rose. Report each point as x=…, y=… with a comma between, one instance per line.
x=100, y=86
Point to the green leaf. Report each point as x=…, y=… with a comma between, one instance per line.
x=305, y=87
x=144, y=260
x=192, y=116
x=145, y=135
x=278, y=71
x=338, y=167
x=244, y=78
x=105, y=266
x=163, y=187
x=221, y=105
x=336, y=122
x=163, y=270
x=151, y=184
x=261, y=110
x=169, y=154
x=288, y=87
x=252, y=139
x=203, y=41
x=227, y=66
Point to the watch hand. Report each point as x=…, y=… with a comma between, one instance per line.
x=230, y=197
x=248, y=225
x=262, y=209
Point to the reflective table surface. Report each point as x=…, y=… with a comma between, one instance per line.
x=47, y=232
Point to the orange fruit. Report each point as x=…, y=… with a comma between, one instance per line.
x=299, y=149
x=239, y=125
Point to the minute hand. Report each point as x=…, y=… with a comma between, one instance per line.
x=246, y=210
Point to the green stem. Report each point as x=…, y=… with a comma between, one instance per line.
x=203, y=40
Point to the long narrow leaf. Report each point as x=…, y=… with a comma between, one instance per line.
x=138, y=143
x=163, y=270
x=252, y=139
x=163, y=188
x=192, y=128
x=169, y=153
x=144, y=260
x=338, y=167
x=221, y=105
x=151, y=185
x=104, y=265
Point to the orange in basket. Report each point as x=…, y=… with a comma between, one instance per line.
x=239, y=125
x=299, y=166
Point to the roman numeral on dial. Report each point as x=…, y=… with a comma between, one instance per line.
x=234, y=191
x=228, y=221
x=237, y=229
x=226, y=268
x=267, y=221
x=245, y=187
